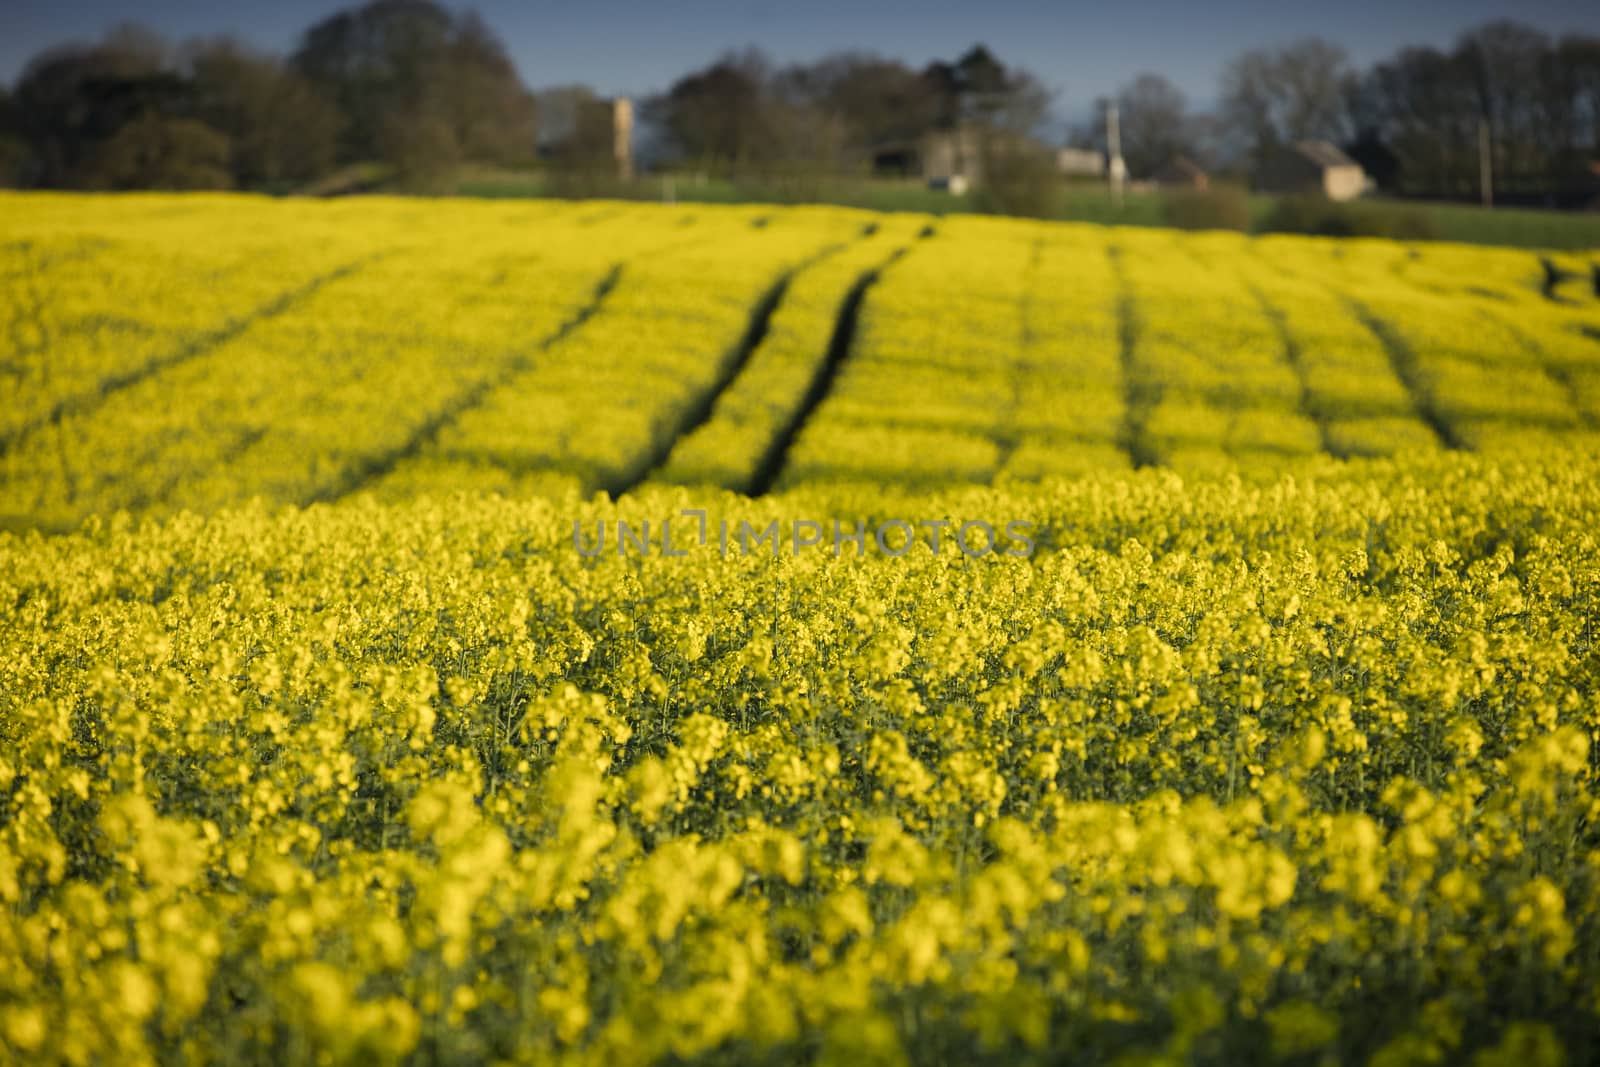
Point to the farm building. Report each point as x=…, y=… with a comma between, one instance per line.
x=1312, y=167
x=950, y=159
x=945, y=159
x=1081, y=162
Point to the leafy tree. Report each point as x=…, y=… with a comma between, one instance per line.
x=13, y=150
x=978, y=88
x=393, y=62
x=983, y=82
x=156, y=152
x=478, y=92
x=1019, y=177
x=279, y=128
x=70, y=100
x=720, y=116
x=423, y=149
x=569, y=138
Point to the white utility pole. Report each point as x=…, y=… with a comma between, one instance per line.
x=1116, y=169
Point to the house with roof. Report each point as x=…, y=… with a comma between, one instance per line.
x=946, y=159
x=1181, y=172
x=949, y=158
x=1312, y=167
x=1075, y=162
x=952, y=159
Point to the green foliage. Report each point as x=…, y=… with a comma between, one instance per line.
x=1319, y=216
x=14, y=161
x=1225, y=207
x=152, y=152
x=1019, y=178
x=282, y=132
x=422, y=150
x=1516, y=227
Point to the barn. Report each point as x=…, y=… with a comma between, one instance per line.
x=1181, y=172
x=1312, y=167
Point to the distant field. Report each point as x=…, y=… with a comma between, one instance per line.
x=1465, y=223
x=1522, y=227
x=1070, y=644
x=396, y=346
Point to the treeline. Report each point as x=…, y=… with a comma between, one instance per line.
x=1414, y=121
x=405, y=83
x=843, y=112
x=1539, y=98
x=749, y=119
x=417, y=89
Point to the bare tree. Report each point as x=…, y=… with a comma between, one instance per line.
x=1579, y=55
x=1155, y=123
x=1541, y=100
x=1293, y=93
x=1506, y=61
x=1422, y=103
x=871, y=101
x=1026, y=105
x=1312, y=77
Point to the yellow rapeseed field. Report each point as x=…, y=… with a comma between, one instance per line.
x=605, y=633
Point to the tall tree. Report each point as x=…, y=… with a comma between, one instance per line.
x=720, y=116
x=71, y=100
x=280, y=129
x=1293, y=93
x=979, y=89
x=1538, y=98
x=1579, y=56
x=480, y=95
x=1155, y=126
x=1506, y=61
x=1423, y=104
x=984, y=82
x=395, y=65
x=13, y=150
x=877, y=101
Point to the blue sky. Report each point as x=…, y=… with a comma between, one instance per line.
x=1081, y=50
